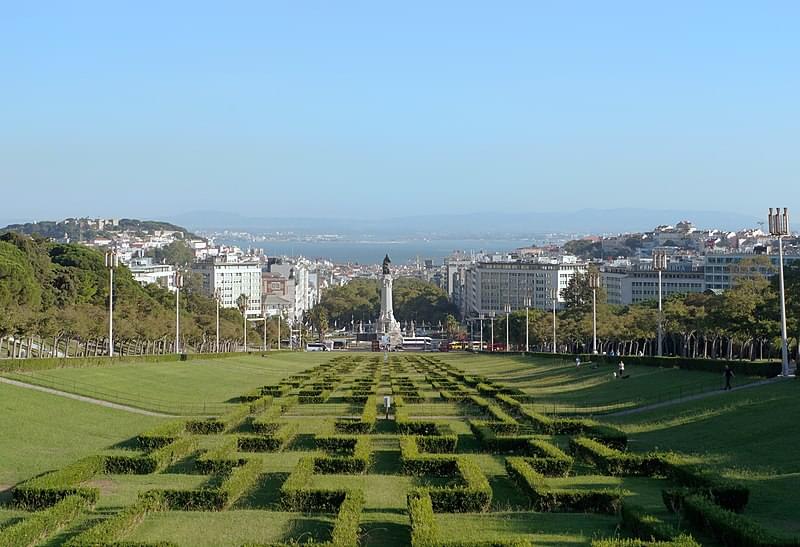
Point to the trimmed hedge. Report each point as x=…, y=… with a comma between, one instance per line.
x=268, y=443
x=423, y=521
x=50, y=488
x=548, y=459
x=729, y=494
x=296, y=496
x=411, y=427
x=357, y=462
x=680, y=541
x=604, y=433
x=414, y=463
x=236, y=483
x=497, y=413
x=730, y=528
x=154, y=461
x=437, y=444
x=644, y=525
x=743, y=368
x=42, y=524
x=545, y=498
x=122, y=523
x=346, y=527
x=365, y=424
x=611, y=461
x=161, y=435
x=220, y=460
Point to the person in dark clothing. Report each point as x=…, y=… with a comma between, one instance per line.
x=728, y=373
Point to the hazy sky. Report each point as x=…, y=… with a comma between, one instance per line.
x=352, y=108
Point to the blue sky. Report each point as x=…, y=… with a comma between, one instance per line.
x=352, y=108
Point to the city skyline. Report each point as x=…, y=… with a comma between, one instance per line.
x=360, y=111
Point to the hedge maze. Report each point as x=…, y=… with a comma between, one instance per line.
x=454, y=447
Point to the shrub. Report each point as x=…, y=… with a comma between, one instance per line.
x=240, y=480
x=42, y=524
x=346, y=526
x=549, y=460
x=728, y=527
x=161, y=435
x=123, y=522
x=357, y=462
x=154, y=461
x=423, y=521
x=644, y=525
x=680, y=541
x=414, y=463
x=728, y=494
x=492, y=409
x=545, y=498
x=268, y=443
x=437, y=443
x=50, y=488
x=614, y=462
x=220, y=460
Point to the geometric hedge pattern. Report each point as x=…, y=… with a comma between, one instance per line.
x=320, y=447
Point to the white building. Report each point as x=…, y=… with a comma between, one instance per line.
x=626, y=286
x=491, y=286
x=145, y=272
x=233, y=277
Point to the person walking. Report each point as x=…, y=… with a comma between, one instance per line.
x=728, y=373
x=621, y=369
x=577, y=362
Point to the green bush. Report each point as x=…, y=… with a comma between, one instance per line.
x=117, y=526
x=545, y=498
x=346, y=527
x=438, y=444
x=42, y=524
x=220, y=460
x=611, y=461
x=357, y=462
x=728, y=527
x=680, y=541
x=161, y=435
x=644, y=525
x=240, y=480
x=728, y=494
x=155, y=461
x=492, y=409
x=415, y=463
x=50, y=488
x=423, y=521
x=268, y=443
x=548, y=459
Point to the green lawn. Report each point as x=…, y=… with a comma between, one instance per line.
x=560, y=387
x=751, y=435
x=190, y=387
x=41, y=432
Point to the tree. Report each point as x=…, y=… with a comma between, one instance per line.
x=319, y=321
x=178, y=253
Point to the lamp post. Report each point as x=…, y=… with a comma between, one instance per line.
x=481, y=318
x=594, y=284
x=527, y=323
x=112, y=261
x=779, y=227
x=508, y=320
x=491, y=319
x=554, y=298
x=659, y=265
x=217, y=298
x=178, y=285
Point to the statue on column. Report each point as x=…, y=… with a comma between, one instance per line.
x=386, y=263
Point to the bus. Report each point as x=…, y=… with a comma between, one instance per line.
x=319, y=346
x=417, y=343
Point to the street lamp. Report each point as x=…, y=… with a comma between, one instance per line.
x=779, y=227
x=594, y=284
x=508, y=315
x=659, y=265
x=217, y=298
x=527, y=323
x=112, y=261
x=481, y=318
x=178, y=285
x=553, y=298
x=491, y=319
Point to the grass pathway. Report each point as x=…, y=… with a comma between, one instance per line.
x=695, y=397
x=84, y=399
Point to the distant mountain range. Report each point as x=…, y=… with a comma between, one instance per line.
x=584, y=221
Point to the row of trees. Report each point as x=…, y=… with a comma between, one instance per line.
x=58, y=294
x=741, y=323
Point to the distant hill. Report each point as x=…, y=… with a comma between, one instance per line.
x=85, y=229
x=583, y=221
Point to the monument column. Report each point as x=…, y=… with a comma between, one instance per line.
x=387, y=324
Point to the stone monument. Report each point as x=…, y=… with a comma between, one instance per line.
x=388, y=326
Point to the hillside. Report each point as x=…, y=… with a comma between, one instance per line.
x=84, y=229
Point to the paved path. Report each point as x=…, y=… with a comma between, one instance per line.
x=91, y=400
x=694, y=397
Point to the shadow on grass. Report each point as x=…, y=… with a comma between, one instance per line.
x=385, y=426
x=467, y=443
x=309, y=530
x=266, y=494
x=184, y=466
x=506, y=496
x=386, y=462
x=303, y=442
x=127, y=444
x=385, y=534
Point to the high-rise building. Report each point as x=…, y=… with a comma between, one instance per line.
x=233, y=277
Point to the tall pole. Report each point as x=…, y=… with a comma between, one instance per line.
x=244, y=324
x=491, y=343
x=779, y=226
x=527, y=329
x=280, y=316
x=554, y=297
x=594, y=283
x=112, y=261
x=481, y=317
x=660, y=264
x=217, y=298
x=508, y=320
x=178, y=285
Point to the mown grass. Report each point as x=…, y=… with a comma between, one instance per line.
x=190, y=387
x=42, y=432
